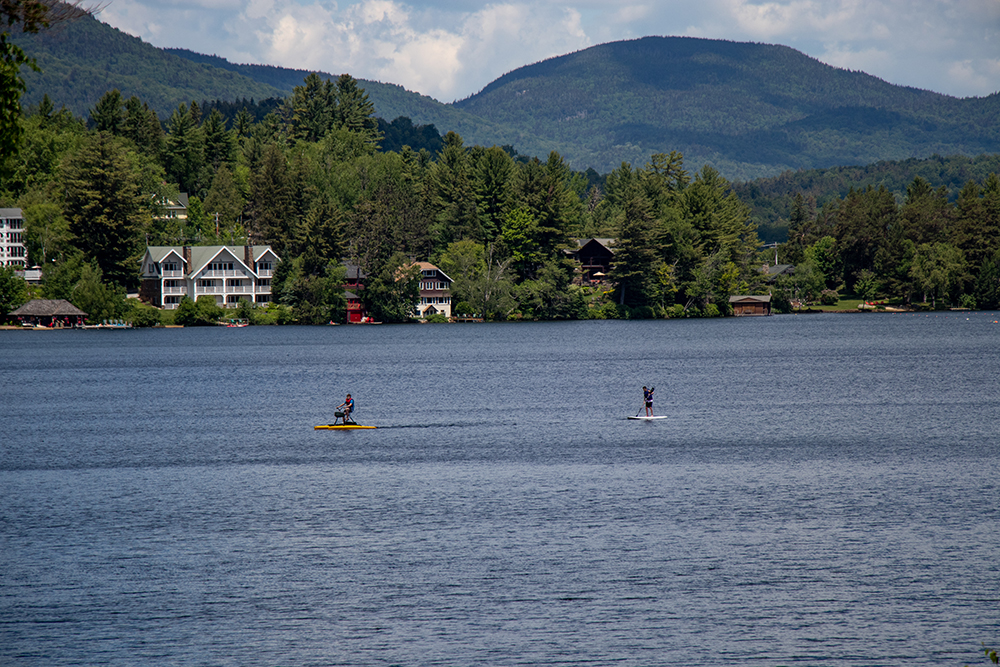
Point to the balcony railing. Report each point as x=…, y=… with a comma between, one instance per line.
x=173, y=274
x=225, y=274
x=175, y=290
x=209, y=290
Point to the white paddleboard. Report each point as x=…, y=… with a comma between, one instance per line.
x=645, y=418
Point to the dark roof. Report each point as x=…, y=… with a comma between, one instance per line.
x=607, y=243
x=354, y=272
x=780, y=269
x=750, y=298
x=48, y=308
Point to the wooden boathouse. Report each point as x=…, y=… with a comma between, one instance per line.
x=750, y=304
x=49, y=313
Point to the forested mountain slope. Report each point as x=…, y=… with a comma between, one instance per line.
x=750, y=109
x=82, y=60
x=771, y=199
x=391, y=101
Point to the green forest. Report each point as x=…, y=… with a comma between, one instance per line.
x=749, y=110
x=325, y=182
x=310, y=179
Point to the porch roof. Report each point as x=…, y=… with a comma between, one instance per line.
x=48, y=308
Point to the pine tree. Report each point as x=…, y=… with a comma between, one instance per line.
x=104, y=206
x=108, y=114
x=142, y=126
x=224, y=204
x=354, y=111
x=220, y=143
x=271, y=199
x=637, y=253
x=311, y=109
x=492, y=183
x=184, y=152
x=452, y=199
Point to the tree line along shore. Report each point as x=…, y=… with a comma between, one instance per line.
x=311, y=180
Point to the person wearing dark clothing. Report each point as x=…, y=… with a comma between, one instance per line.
x=647, y=397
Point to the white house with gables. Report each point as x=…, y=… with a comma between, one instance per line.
x=227, y=273
x=435, y=291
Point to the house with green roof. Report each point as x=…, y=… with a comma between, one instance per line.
x=227, y=273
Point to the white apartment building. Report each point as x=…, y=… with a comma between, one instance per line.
x=13, y=251
x=227, y=273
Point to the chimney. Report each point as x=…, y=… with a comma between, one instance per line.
x=186, y=254
x=248, y=256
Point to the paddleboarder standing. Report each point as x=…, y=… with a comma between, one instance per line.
x=647, y=397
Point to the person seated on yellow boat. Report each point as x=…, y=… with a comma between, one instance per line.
x=347, y=407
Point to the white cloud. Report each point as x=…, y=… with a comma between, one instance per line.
x=452, y=48
x=446, y=57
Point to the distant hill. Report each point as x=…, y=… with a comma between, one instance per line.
x=391, y=101
x=750, y=110
x=771, y=198
x=82, y=60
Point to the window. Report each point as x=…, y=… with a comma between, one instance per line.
x=220, y=266
x=170, y=283
x=263, y=266
x=234, y=282
x=170, y=266
x=264, y=282
x=171, y=299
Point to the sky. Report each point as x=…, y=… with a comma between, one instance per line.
x=451, y=49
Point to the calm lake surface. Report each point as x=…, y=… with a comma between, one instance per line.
x=824, y=491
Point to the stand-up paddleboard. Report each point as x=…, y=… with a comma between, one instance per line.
x=644, y=418
x=340, y=427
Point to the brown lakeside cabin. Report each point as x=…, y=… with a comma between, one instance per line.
x=595, y=257
x=49, y=313
x=750, y=304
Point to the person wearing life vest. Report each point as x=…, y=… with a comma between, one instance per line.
x=347, y=407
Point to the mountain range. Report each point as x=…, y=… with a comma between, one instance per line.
x=750, y=110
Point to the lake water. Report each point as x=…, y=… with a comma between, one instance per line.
x=824, y=491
